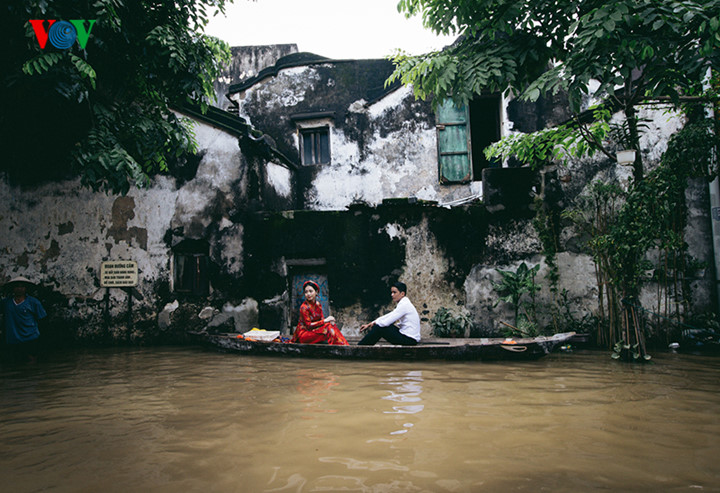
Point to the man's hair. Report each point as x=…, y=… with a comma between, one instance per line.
x=400, y=287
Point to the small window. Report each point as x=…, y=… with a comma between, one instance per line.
x=190, y=268
x=315, y=145
x=453, y=142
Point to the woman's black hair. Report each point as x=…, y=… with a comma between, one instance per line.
x=313, y=284
x=400, y=287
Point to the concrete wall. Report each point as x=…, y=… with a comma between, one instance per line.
x=381, y=148
x=58, y=234
x=247, y=62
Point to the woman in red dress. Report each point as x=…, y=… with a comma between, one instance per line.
x=312, y=328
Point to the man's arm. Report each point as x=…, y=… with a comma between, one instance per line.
x=399, y=312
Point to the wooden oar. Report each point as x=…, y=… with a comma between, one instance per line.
x=515, y=328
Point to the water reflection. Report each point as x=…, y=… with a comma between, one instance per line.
x=407, y=387
x=313, y=387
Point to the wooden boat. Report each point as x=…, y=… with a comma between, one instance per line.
x=482, y=349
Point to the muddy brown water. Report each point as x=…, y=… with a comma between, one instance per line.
x=193, y=420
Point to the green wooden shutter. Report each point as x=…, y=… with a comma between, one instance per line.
x=453, y=142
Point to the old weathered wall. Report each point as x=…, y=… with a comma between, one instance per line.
x=58, y=234
x=376, y=213
x=383, y=142
x=247, y=62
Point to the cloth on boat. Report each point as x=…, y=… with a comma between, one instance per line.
x=261, y=335
x=312, y=329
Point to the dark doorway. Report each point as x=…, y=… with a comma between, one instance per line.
x=300, y=271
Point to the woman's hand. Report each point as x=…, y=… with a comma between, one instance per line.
x=330, y=319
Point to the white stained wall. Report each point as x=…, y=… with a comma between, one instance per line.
x=402, y=163
x=396, y=159
x=57, y=234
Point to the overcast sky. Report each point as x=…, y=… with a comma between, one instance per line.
x=332, y=28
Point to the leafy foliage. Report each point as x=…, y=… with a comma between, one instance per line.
x=510, y=44
x=514, y=285
x=595, y=213
x=105, y=110
x=625, y=52
x=445, y=323
x=624, y=351
x=547, y=225
x=641, y=230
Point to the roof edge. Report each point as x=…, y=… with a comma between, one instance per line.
x=216, y=117
x=289, y=61
x=235, y=125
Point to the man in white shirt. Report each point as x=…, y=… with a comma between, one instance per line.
x=401, y=326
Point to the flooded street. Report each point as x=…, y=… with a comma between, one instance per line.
x=192, y=420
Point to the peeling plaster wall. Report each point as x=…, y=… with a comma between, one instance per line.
x=52, y=244
x=401, y=163
x=246, y=62
x=273, y=94
x=425, y=270
x=218, y=186
x=382, y=149
x=58, y=234
x=577, y=276
x=280, y=179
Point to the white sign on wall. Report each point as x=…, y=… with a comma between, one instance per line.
x=119, y=274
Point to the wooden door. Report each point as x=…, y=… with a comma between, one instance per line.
x=453, y=143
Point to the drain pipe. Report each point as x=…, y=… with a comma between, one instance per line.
x=715, y=226
x=714, y=191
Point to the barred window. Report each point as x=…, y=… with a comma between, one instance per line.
x=315, y=145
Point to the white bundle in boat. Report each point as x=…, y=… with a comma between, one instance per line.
x=262, y=335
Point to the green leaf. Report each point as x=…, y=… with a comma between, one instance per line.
x=136, y=61
x=533, y=94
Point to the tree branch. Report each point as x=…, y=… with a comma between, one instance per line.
x=590, y=138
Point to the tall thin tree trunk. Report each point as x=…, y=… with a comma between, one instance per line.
x=631, y=116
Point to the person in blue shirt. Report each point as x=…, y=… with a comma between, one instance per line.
x=22, y=313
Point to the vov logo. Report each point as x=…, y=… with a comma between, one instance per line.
x=62, y=34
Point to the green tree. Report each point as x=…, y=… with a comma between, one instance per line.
x=103, y=111
x=625, y=53
x=635, y=50
x=513, y=286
